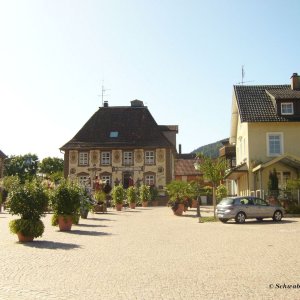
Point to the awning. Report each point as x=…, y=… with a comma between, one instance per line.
x=287, y=159
x=237, y=172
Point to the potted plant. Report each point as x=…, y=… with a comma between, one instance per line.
x=29, y=201
x=144, y=193
x=131, y=196
x=65, y=200
x=86, y=203
x=178, y=193
x=118, y=196
x=100, y=205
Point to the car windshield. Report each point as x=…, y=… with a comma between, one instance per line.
x=227, y=201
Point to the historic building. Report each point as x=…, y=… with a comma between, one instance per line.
x=122, y=144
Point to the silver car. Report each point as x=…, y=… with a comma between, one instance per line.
x=246, y=207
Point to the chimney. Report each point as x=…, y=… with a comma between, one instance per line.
x=295, y=84
x=179, y=150
x=137, y=103
x=105, y=104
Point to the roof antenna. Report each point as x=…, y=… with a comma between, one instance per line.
x=103, y=90
x=243, y=76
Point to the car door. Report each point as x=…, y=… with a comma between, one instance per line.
x=263, y=208
x=247, y=205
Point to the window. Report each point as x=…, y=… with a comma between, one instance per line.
x=149, y=158
x=105, y=178
x=287, y=108
x=114, y=134
x=127, y=158
x=149, y=179
x=83, y=158
x=105, y=158
x=274, y=144
x=83, y=180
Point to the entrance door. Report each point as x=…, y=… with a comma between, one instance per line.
x=127, y=179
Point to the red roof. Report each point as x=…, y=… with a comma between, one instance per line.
x=185, y=167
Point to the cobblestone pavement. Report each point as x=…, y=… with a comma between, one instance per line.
x=149, y=253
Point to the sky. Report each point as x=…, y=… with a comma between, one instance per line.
x=180, y=57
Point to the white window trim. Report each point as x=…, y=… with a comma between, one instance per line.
x=280, y=134
x=149, y=179
x=127, y=158
x=105, y=159
x=83, y=161
x=149, y=158
x=287, y=113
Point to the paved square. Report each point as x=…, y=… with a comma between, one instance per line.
x=149, y=253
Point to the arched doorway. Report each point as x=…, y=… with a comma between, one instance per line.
x=127, y=179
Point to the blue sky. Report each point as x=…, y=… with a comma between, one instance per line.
x=181, y=57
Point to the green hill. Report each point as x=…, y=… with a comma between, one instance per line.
x=211, y=150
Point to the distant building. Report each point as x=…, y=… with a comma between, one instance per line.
x=2, y=158
x=122, y=144
x=185, y=169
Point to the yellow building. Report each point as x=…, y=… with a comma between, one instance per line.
x=122, y=144
x=265, y=130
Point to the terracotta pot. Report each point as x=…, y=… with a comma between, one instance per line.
x=145, y=203
x=24, y=239
x=119, y=207
x=132, y=205
x=179, y=210
x=194, y=203
x=65, y=223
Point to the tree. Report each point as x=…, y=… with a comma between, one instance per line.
x=273, y=183
x=24, y=166
x=53, y=167
x=212, y=170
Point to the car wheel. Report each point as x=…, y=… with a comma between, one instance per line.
x=259, y=219
x=240, y=217
x=223, y=220
x=277, y=216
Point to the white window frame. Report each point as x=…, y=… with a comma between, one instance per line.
x=105, y=158
x=275, y=135
x=149, y=179
x=83, y=179
x=287, y=108
x=83, y=158
x=128, y=158
x=149, y=157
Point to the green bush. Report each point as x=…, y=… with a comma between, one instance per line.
x=293, y=209
x=33, y=228
x=28, y=200
x=144, y=193
x=65, y=198
x=131, y=194
x=118, y=194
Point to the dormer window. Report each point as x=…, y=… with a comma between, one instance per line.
x=287, y=108
x=114, y=134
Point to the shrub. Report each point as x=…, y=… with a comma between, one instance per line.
x=118, y=194
x=131, y=194
x=65, y=198
x=33, y=228
x=28, y=200
x=144, y=193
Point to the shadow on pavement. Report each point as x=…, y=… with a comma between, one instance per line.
x=100, y=219
x=264, y=222
x=84, y=232
x=90, y=225
x=51, y=245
